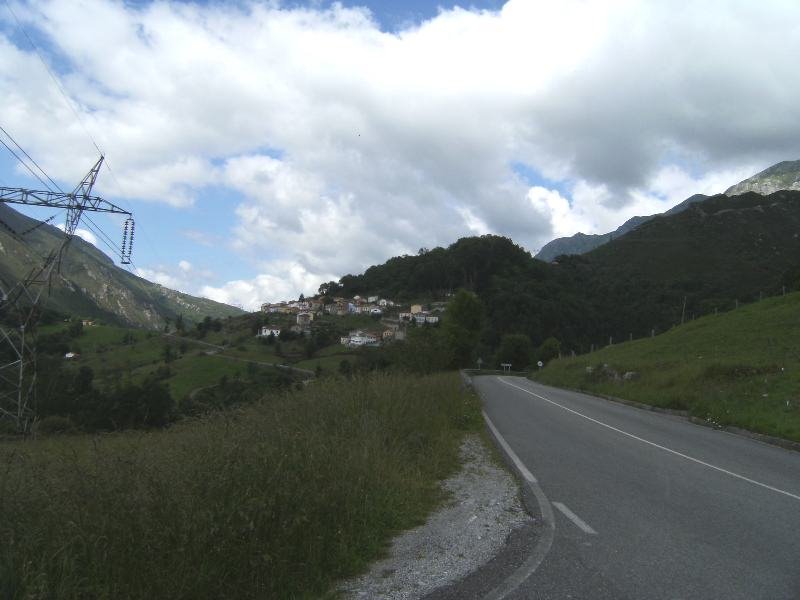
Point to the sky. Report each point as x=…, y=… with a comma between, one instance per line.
x=267, y=147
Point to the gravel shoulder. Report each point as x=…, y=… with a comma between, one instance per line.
x=482, y=522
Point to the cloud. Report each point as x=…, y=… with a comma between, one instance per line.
x=343, y=144
x=82, y=233
x=182, y=276
x=285, y=280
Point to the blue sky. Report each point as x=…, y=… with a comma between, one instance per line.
x=265, y=148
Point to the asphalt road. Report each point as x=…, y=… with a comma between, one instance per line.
x=648, y=505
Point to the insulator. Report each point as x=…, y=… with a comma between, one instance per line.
x=127, y=241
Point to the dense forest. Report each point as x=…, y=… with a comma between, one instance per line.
x=716, y=254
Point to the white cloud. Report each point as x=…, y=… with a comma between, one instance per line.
x=82, y=233
x=348, y=145
x=285, y=280
x=183, y=276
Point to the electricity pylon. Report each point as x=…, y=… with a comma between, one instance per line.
x=20, y=305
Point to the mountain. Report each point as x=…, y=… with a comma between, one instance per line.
x=782, y=176
x=716, y=253
x=581, y=243
x=89, y=283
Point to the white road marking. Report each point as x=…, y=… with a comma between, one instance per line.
x=659, y=446
x=547, y=533
x=575, y=518
x=517, y=462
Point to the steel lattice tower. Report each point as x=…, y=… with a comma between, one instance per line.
x=20, y=305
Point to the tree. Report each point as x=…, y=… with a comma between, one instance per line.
x=167, y=353
x=515, y=348
x=462, y=327
x=83, y=380
x=76, y=329
x=329, y=288
x=345, y=368
x=549, y=350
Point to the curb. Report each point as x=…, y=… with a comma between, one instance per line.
x=537, y=505
x=535, y=502
x=753, y=435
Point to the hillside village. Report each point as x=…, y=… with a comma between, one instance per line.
x=391, y=319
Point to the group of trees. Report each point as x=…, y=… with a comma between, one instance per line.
x=720, y=252
x=68, y=399
x=464, y=336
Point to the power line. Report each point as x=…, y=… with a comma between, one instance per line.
x=71, y=105
x=24, y=31
x=24, y=164
x=30, y=159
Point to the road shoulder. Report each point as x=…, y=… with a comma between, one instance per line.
x=484, y=529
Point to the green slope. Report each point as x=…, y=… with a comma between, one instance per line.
x=740, y=368
x=90, y=284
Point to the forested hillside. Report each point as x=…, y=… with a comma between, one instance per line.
x=674, y=267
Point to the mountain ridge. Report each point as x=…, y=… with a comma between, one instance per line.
x=784, y=175
x=580, y=243
x=89, y=284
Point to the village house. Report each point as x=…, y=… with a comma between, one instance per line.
x=304, y=318
x=405, y=316
x=416, y=309
x=372, y=299
x=267, y=331
x=360, y=338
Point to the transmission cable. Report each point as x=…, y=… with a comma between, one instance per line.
x=24, y=164
x=24, y=31
x=31, y=159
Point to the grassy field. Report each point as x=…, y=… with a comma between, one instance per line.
x=273, y=500
x=101, y=348
x=739, y=368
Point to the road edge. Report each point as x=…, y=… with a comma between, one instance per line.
x=535, y=502
x=731, y=429
x=542, y=509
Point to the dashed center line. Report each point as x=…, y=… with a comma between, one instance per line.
x=583, y=525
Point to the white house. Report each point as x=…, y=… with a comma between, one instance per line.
x=360, y=338
x=267, y=331
x=372, y=299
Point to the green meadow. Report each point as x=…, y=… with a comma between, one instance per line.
x=739, y=368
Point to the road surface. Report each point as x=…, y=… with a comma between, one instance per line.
x=648, y=505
